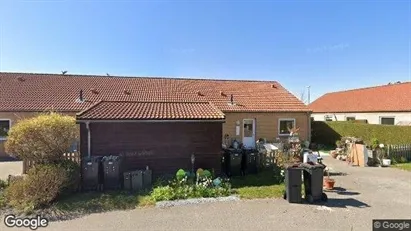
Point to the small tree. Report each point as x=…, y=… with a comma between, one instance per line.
x=43, y=138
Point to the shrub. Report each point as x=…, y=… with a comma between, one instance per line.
x=180, y=174
x=329, y=132
x=43, y=138
x=43, y=185
x=3, y=184
x=183, y=189
x=72, y=170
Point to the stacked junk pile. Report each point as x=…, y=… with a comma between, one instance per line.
x=100, y=173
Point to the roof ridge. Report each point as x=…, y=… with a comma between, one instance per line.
x=370, y=87
x=157, y=101
x=89, y=108
x=149, y=77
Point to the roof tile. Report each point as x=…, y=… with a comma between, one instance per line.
x=386, y=98
x=40, y=92
x=127, y=110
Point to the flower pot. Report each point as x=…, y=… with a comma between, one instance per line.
x=333, y=154
x=329, y=183
x=386, y=162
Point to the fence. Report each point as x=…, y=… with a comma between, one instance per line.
x=74, y=156
x=400, y=150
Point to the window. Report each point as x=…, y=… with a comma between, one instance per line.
x=328, y=118
x=4, y=128
x=284, y=125
x=350, y=118
x=387, y=120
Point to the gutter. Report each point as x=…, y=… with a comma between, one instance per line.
x=149, y=121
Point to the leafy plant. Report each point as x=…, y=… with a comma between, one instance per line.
x=183, y=189
x=180, y=174
x=42, y=185
x=3, y=184
x=43, y=138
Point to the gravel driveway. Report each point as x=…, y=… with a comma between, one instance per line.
x=364, y=194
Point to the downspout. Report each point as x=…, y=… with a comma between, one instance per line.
x=88, y=139
x=309, y=126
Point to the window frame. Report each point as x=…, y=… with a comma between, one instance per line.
x=2, y=138
x=285, y=119
x=387, y=117
x=328, y=118
x=351, y=118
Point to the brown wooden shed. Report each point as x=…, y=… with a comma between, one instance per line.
x=160, y=135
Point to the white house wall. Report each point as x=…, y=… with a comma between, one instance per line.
x=372, y=118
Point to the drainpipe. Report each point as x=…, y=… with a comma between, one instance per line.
x=88, y=139
x=309, y=126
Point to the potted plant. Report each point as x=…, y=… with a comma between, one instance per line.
x=328, y=181
x=383, y=157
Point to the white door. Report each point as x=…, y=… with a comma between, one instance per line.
x=249, y=133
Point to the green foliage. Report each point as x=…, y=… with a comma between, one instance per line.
x=183, y=189
x=42, y=185
x=328, y=133
x=2, y=200
x=180, y=174
x=43, y=138
x=207, y=173
x=400, y=160
x=3, y=184
x=72, y=181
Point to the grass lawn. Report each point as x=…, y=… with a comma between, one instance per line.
x=403, y=166
x=262, y=185
x=100, y=202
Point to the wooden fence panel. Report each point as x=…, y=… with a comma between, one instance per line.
x=73, y=156
x=400, y=150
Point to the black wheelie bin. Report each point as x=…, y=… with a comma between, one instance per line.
x=91, y=173
x=293, y=183
x=313, y=182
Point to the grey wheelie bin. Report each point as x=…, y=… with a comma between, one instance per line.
x=112, y=172
x=90, y=173
x=313, y=182
x=293, y=183
x=137, y=180
x=127, y=181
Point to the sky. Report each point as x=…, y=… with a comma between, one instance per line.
x=327, y=45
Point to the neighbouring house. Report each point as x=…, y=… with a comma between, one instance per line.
x=388, y=104
x=158, y=122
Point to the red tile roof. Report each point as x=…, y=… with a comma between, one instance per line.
x=38, y=92
x=386, y=98
x=125, y=110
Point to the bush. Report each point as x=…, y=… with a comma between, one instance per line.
x=184, y=189
x=43, y=138
x=3, y=184
x=180, y=174
x=43, y=184
x=72, y=170
x=329, y=132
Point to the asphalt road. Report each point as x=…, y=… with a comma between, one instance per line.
x=363, y=194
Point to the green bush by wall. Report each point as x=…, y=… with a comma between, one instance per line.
x=329, y=132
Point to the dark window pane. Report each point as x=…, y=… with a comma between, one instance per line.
x=4, y=127
x=350, y=118
x=388, y=121
x=285, y=125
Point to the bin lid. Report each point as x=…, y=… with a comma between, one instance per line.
x=312, y=166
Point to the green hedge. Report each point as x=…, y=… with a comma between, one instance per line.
x=328, y=133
